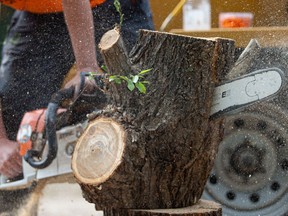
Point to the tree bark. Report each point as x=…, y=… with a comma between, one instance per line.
x=154, y=150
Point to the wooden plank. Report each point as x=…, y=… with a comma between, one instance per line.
x=267, y=37
x=202, y=208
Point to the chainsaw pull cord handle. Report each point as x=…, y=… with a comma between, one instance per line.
x=50, y=125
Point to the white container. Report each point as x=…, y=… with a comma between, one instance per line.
x=196, y=15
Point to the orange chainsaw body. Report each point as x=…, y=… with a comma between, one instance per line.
x=32, y=123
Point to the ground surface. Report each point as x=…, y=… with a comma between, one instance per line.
x=65, y=199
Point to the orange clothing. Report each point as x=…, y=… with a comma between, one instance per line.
x=41, y=6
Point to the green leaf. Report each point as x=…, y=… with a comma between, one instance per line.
x=124, y=78
x=112, y=78
x=141, y=87
x=135, y=78
x=130, y=85
x=115, y=79
x=117, y=5
x=104, y=68
x=118, y=81
x=145, y=71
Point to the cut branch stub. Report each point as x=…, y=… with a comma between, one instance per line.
x=168, y=142
x=116, y=60
x=115, y=55
x=104, y=139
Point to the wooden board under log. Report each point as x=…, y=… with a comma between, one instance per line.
x=154, y=150
x=202, y=208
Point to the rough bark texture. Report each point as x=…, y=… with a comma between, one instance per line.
x=202, y=208
x=170, y=141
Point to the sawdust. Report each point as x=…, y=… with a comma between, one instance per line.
x=30, y=206
x=54, y=195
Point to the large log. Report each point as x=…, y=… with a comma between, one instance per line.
x=154, y=150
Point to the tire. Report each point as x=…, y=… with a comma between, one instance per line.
x=251, y=168
x=250, y=172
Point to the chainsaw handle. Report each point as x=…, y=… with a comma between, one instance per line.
x=50, y=125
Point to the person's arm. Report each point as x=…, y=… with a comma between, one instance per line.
x=79, y=20
x=10, y=159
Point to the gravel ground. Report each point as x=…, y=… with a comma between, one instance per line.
x=64, y=199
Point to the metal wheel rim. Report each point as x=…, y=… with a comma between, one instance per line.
x=270, y=195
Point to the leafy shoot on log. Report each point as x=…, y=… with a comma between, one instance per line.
x=133, y=81
x=118, y=8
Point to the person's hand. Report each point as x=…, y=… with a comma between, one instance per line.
x=89, y=83
x=10, y=159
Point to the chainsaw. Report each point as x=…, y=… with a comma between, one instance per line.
x=47, y=150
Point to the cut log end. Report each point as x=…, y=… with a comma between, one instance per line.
x=109, y=39
x=98, y=151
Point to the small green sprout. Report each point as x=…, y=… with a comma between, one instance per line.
x=104, y=68
x=133, y=81
x=118, y=8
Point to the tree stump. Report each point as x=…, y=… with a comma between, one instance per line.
x=154, y=150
